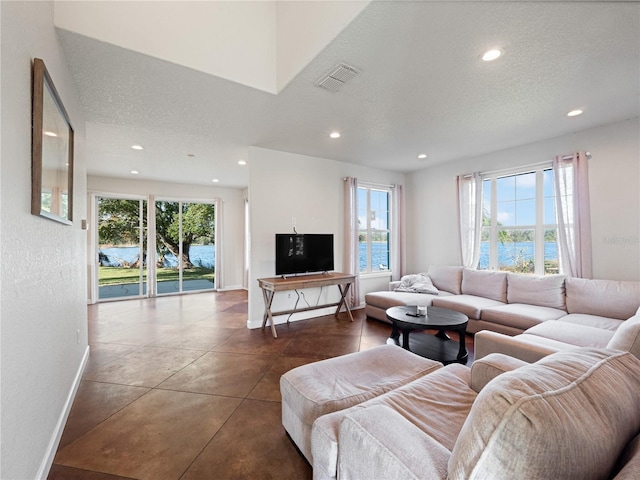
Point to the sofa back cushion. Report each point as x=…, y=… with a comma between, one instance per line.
x=569, y=415
x=446, y=278
x=607, y=298
x=627, y=336
x=485, y=283
x=541, y=290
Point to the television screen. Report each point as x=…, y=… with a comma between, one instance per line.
x=303, y=253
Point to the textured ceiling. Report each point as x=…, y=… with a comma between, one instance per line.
x=422, y=89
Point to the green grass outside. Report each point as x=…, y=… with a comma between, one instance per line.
x=122, y=275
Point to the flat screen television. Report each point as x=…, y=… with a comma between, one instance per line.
x=303, y=253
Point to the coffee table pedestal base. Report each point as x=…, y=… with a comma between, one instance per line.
x=434, y=346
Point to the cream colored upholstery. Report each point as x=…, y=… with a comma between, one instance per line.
x=572, y=415
x=316, y=389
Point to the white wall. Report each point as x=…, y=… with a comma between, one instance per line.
x=205, y=36
x=614, y=182
x=285, y=185
x=232, y=260
x=43, y=310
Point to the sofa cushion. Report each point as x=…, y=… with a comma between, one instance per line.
x=520, y=315
x=539, y=420
x=336, y=383
x=446, y=278
x=386, y=300
x=485, y=283
x=573, y=334
x=542, y=290
x=470, y=305
x=595, y=321
x=437, y=404
x=379, y=443
x=416, y=283
x=607, y=298
x=627, y=337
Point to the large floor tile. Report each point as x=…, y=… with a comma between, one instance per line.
x=103, y=353
x=318, y=345
x=229, y=374
x=257, y=341
x=268, y=388
x=94, y=403
x=60, y=472
x=196, y=337
x=138, y=334
x=251, y=445
x=144, y=367
x=155, y=438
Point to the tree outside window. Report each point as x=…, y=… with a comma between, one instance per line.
x=519, y=223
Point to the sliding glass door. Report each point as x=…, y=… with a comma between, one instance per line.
x=122, y=269
x=148, y=248
x=185, y=246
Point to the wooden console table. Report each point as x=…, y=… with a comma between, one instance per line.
x=270, y=286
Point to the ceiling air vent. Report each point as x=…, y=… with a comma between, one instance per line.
x=337, y=77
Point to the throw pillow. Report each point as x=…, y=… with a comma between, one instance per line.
x=418, y=283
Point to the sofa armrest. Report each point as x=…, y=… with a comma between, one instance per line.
x=378, y=442
x=486, y=342
x=393, y=285
x=489, y=367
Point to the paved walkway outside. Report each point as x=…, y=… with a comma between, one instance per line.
x=133, y=289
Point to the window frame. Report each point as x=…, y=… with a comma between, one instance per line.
x=368, y=231
x=539, y=228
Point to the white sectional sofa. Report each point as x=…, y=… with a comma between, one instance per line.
x=544, y=313
x=572, y=415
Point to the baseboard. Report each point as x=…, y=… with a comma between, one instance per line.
x=231, y=287
x=47, y=462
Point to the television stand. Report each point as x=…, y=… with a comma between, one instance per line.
x=272, y=285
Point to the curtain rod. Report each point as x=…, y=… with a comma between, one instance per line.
x=371, y=184
x=525, y=167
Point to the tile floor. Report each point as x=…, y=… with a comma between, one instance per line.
x=178, y=388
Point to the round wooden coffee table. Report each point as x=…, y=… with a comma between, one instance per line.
x=436, y=347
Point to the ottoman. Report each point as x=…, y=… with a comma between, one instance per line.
x=326, y=386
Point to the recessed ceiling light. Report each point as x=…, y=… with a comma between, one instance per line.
x=215, y=180
x=422, y=155
x=241, y=162
x=134, y=172
x=334, y=134
x=574, y=113
x=50, y=134
x=493, y=54
x=137, y=147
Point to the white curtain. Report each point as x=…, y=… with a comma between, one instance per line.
x=397, y=233
x=351, y=254
x=470, y=217
x=571, y=177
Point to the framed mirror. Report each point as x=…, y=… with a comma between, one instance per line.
x=51, y=151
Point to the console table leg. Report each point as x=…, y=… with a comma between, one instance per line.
x=268, y=300
x=343, y=300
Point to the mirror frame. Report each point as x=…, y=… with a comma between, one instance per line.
x=43, y=85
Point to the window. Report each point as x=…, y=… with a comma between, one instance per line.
x=519, y=225
x=374, y=234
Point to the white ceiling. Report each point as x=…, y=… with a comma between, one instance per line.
x=422, y=89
